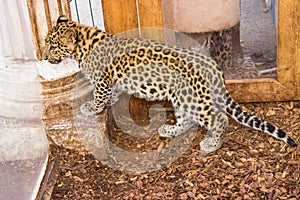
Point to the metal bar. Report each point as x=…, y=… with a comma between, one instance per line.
x=77, y=12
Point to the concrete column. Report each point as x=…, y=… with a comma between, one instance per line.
x=23, y=142
x=21, y=106
x=15, y=33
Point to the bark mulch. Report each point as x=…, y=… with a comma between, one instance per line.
x=250, y=165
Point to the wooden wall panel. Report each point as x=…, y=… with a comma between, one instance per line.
x=119, y=15
x=258, y=90
x=38, y=24
x=43, y=15
x=150, y=15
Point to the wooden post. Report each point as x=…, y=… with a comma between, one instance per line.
x=289, y=45
x=236, y=44
x=120, y=16
x=22, y=134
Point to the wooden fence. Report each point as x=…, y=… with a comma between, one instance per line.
x=121, y=15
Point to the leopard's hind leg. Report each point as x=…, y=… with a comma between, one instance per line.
x=216, y=132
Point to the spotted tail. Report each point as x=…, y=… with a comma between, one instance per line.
x=243, y=117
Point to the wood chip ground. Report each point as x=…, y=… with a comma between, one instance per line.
x=250, y=165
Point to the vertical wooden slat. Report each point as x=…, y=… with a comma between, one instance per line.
x=43, y=15
x=288, y=44
x=34, y=29
x=150, y=13
x=38, y=24
x=59, y=5
x=119, y=15
x=47, y=13
x=66, y=8
x=54, y=11
x=151, y=16
x=296, y=27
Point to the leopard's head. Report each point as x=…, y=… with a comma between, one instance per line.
x=61, y=41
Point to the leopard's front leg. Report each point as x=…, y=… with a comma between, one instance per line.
x=102, y=96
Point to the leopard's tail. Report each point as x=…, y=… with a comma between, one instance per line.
x=243, y=117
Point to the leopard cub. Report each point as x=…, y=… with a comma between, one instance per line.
x=153, y=70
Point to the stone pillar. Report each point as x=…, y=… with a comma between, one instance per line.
x=23, y=143
x=15, y=35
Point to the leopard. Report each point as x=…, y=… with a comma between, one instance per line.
x=153, y=70
x=235, y=62
x=218, y=45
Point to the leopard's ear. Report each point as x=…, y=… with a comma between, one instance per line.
x=61, y=19
x=69, y=37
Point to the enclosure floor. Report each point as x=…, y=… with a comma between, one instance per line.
x=250, y=165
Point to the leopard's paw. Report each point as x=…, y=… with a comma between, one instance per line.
x=164, y=131
x=209, y=144
x=88, y=108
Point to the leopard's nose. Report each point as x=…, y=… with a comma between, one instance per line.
x=54, y=61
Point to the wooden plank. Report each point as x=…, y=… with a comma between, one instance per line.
x=119, y=15
x=66, y=8
x=57, y=8
x=151, y=24
x=47, y=13
x=43, y=15
x=59, y=5
x=54, y=11
x=288, y=45
x=150, y=15
x=236, y=43
x=258, y=90
x=50, y=176
x=38, y=24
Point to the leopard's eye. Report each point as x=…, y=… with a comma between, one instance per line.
x=52, y=48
